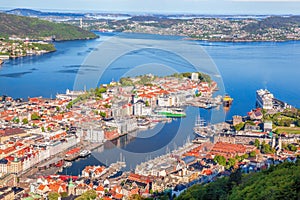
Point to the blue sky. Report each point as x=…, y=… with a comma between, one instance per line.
x=164, y=6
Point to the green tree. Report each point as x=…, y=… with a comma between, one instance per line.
x=25, y=121
x=43, y=129
x=292, y=147
x=252, y=154
x=48, y=128
x=231, y=162
x=256, y=143
x=221, y=160
x=266, y=148
x=53, y=196
x=235, y=178
x=102, y=114
x=239, y=126
x=107, y=105
x=96, y=112
x=35, y=116
x=100, y=91
x=135, y=197
x=16, y=120
x=69, y=106
x=278, y=182
x=245, y=156
x=147, y=104
x=64, y=194
x=88, y=195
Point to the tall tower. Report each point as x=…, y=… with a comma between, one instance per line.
x=81, y=24
x=273, y=141
x=280, y=143
x=71, y=188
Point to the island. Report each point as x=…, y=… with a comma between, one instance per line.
x=33, y=36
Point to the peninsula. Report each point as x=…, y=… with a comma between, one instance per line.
x=41, y=136
x=31, y=36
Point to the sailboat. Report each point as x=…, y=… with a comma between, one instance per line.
x=201, y=129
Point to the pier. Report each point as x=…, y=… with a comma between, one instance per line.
x=113, y=169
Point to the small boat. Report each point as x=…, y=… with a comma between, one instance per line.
x=200, y=140
x=1, y=62
x=84, y=153
x=67, y=164
x=143, y=123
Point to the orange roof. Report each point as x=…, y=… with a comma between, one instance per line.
x=134, y=191
x=41, y=187
x=118, y=196
x=58, y=117
x=100, y=188
x=207, y=172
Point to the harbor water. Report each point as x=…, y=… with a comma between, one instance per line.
x=244, y=68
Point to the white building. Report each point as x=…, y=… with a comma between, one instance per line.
x=125, y=125
x=95, y=135
x=195, y=77
x=140, y=109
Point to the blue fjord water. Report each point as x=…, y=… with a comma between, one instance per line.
x=244, y=68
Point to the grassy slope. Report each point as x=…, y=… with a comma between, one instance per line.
x=278, y=182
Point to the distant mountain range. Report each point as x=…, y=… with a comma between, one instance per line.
x=34, y=28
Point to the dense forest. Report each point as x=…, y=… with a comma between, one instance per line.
x=33, y=28
x=277, y=182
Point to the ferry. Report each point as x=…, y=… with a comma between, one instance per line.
x=84, y=153
x=227, y=100
x=174, y=113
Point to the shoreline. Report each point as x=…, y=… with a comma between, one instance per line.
x=239, y=41
x=52, y=51
x=186, y=37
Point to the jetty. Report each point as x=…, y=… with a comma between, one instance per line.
x=113, y=169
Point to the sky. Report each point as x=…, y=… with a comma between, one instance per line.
x=163, y=6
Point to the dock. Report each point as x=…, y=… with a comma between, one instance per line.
x=113, y=169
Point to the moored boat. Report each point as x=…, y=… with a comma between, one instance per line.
x=227, y=100
x=84, y=153
x=174, y=113
x=67, y=164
